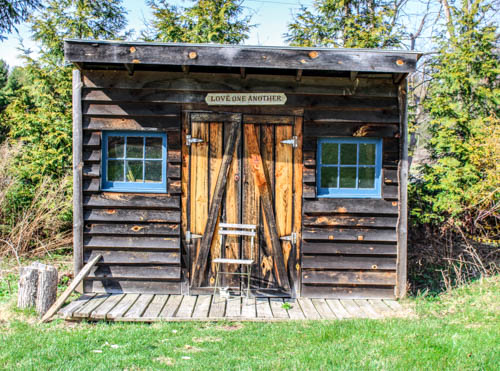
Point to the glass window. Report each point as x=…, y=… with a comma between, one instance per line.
x=134, y=162
x=349, y=167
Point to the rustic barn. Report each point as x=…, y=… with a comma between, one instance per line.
x=307, y=145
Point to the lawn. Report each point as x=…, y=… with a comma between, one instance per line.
x=459, y=330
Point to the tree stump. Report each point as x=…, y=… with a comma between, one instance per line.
x=28, y=285
x=37, y=287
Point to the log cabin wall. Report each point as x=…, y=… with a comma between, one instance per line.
x=348, y=246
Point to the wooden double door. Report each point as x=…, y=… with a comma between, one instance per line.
x=243, y=169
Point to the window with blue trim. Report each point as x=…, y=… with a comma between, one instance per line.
x=349, y=167
x=134, y=162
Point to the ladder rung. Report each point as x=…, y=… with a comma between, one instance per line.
x=240, y=226
x=237, y=233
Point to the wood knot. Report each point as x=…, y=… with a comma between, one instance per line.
x=313, y=54
x=132, y=49
x=400, y=62
x=303, y=61
x=361, y=238
x=394, y=203
x=374, y=266
x=192, y=55
x=136, y=61
x=331, y=237
x=110, y=211
x=136, y=228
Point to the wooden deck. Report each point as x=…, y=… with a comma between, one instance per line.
x=152, y=308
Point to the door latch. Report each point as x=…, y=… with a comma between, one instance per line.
x=190, y=140
x=292, y=141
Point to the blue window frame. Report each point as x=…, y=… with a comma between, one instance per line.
x=134, y=161
x=349, y=167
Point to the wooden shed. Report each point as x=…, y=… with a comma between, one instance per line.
x=307, y=144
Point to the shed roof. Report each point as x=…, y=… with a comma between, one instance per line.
x=260, y=57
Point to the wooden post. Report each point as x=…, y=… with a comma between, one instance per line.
x=28, y=284
x=402, y=226
x=77, y=173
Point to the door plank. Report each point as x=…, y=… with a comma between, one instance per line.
x=262, y=181
x=294, y=260
x=206, y=241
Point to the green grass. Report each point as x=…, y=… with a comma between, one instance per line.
x=459, y=330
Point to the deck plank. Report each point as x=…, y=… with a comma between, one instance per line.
x=353, y=308
x=187, y=307
x=367, y=308
x=233, y=309
x=139, y=306
x=323, y=309
x=308, y=308
x=338, y=309
x=84, y=312
x=263, y=308
x=104, y=308
x=381, y=308
x=202, y=306
x=218, y=307
x=123, y=306
x=171, y=306
x=277, y=308
x=394, y=305
x=154, y=308
x=68, y=310
x=294, y=312
x=248, y=310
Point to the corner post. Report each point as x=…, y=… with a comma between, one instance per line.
x=77, y=173
x=402, y=226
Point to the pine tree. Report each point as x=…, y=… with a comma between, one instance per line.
x=14, y=12
x=207, y=21
x=347, y=23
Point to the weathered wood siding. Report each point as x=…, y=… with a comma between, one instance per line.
x=348, y=246
x=137, y=234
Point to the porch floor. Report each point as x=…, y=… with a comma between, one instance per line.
x=152, y=308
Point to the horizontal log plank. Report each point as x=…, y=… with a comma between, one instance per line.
x=136, y=272
x=166, y=123
x=132, y=215
x=390, y=191
x=349, y=221
x=118, y=286
x=203, y=82
x=389, y=116
x=92, y=170
x=139, y=229
x=173, y=186
x=348, y=262
x=174, y=171
x=348, y=278
x=92, y=155
x=335, y=292
x=162, y=243
x=348, y=248
x=240, y=56
x=92, y=139
x=128, y=200
x=131, y=109
x=308, y=190
x=390, y=176
x=347, y=129
x=350, y=206
x=133, y=257
x=337, y=234
x=91, y=185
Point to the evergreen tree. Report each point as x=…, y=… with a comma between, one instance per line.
x=347, y=24
x=206, y=21
x=461, y=185
x=13, y=12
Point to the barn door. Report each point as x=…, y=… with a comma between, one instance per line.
x=258, y=189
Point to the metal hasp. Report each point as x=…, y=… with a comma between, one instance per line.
x=191, y=236
x=292, y=238
x=293, y=141
x=190, y=140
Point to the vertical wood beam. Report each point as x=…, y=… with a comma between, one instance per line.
x=297, y=204
x=402, y=226
x=213, y=213
x=77, y=173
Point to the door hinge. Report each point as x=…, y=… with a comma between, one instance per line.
x=191, y=236
x=292, y=141
x=190, y=140
x=292, y=238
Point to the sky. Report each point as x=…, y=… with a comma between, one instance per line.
x=270, y=16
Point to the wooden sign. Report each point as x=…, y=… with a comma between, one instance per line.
x=245, y=99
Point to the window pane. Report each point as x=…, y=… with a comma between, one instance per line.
x=135, y=147
x=153, y=147
x=115, y=147
x=367, y=154
x=329, y=153
x=348, y=153
x=347, y=177
x=115, y=170
x=153, y=171
x=329, y=177
x=366, y=177
x=134, y=171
